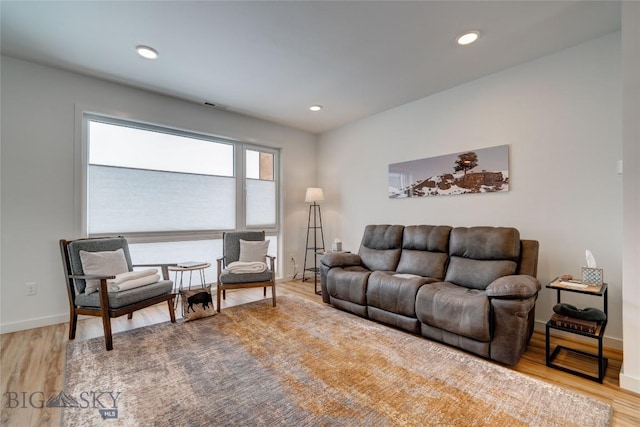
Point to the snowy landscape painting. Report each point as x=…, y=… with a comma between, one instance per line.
x=485, y=170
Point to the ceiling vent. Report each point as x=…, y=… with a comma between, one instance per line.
x=216, y=106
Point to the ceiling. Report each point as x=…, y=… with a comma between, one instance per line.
x=272, y=60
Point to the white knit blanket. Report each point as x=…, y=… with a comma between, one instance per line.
x=239, y=267
x=132, y=279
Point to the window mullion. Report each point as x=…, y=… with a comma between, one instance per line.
x=241, y=187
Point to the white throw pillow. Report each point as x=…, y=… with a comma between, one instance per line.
x=105, y=263
x=253, y=251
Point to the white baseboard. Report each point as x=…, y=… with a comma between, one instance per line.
x=23, y=325
x=287, y=278
x=607, y=342
x=628, y=382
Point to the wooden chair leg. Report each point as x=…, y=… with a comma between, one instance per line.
x=106, y=325
x=73, y=323
x=218, y=298
x=273, y=293
x=224, y=294
x=130, y=316
x=265, y=291
x=172, y=312
x=106, y=319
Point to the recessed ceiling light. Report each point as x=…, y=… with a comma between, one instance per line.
x=315, y=108
x=468, y=38
x=147, y=52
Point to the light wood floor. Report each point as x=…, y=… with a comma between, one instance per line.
x=33, y=363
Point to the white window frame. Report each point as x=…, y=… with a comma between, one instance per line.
x=243, y=192
x=84, y=115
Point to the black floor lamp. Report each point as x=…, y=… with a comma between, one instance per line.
x=313, y=196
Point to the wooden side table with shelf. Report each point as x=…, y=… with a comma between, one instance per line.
x=599, y=291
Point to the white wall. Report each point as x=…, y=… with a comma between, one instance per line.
x=630, y=373
x=561, y=117
x=37, y=174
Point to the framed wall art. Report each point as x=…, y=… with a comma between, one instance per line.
x=485, y=170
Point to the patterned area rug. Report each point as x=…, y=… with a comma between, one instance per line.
x=302, y=364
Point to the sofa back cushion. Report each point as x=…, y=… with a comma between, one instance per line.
x=381, y=246
x=425, y=250
x=479, y=255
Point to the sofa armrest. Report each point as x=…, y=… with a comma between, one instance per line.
x=335, y=260
x=513, y=301
x=340, y=259
x=514, y=287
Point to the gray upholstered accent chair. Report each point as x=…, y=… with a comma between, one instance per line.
x=231, y=253
x=101, y=302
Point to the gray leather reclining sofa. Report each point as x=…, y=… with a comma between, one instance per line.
x=472, y=288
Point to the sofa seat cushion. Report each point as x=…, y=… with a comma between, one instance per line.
x=396, y=294
x=455, y=309
x=123, y=298
x=348, y=284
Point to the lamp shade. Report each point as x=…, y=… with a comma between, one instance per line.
x=314, y=195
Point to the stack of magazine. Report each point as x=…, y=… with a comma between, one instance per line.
x=588, y=326
x=574, y=323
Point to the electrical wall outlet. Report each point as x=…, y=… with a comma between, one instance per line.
x=32, y=288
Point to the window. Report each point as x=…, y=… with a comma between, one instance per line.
x=146, y=181
x=174, y=192
x=261, y=189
